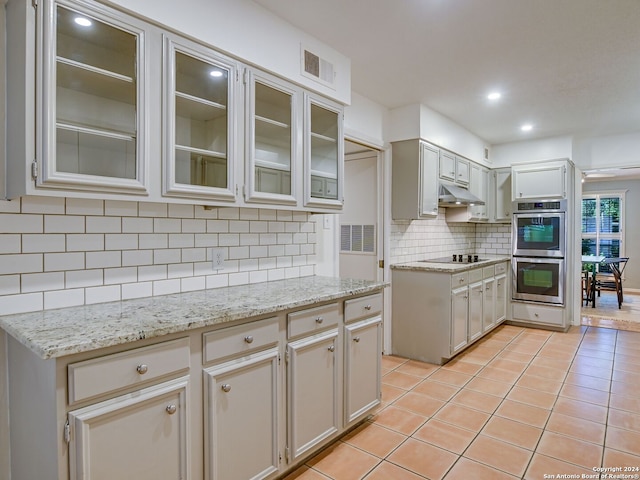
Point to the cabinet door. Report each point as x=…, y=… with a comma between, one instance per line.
x=198, y=122
x=447, y=162
x=501, y=298
x=488, y=304
x=242, y=418
x=92, y=108
x=462, y=171
x=479, y=187
x=428, y=181
x=459, y=318
x=475, y=310
x=323, y=151
x=271, y=138
x=314, y=405
x=363, y=358
x=139, y=436
x=502, y=192
x=539, y=182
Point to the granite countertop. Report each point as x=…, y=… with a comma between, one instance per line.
x=65, y=331
x=427, y=266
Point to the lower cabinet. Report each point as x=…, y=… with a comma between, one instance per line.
x=489, y=318
x=143, y=435
x=459, y=318
x=501, y=297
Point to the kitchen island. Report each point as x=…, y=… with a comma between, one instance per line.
x=440, y=308
x=236, y=382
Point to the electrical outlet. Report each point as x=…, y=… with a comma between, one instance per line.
x=217, y=258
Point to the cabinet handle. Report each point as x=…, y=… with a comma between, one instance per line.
x=319, y=320
x=226, y=388
x=356, y=339
x=367, y=307
x=142, y=369
x=171, y=409
x=332, y=348
x=461, y=280
x=248, y=339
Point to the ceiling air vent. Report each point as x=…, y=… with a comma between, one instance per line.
x=317, y=68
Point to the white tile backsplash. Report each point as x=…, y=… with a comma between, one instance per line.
x=57, y=252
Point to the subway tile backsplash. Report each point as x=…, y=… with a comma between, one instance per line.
x=57, y=252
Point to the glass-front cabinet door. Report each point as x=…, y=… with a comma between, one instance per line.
x=92, y=125
x=324, y=153
x=271, y=140
x=198, y=122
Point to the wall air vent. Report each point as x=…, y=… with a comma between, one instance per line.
x=317, y=68
x=357, y=238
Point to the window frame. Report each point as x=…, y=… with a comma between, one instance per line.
x=598, y=235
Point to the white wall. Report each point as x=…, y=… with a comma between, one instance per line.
x=507, y=154
x=609, y=151
x=253, y=34
x=366, y=121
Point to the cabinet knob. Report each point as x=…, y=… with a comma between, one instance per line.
x=332, y=348
x=248, y=339
x=461, y=280
x=319, y=320
x=226, y=388
x=356, y=339
x=142, y=369
x=171, y=409
x=536, y=315
x=367, y=307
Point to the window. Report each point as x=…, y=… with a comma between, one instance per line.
x=602, y=225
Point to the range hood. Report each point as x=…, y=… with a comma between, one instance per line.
x=454, y=196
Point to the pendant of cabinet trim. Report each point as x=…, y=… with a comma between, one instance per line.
x=127, y=110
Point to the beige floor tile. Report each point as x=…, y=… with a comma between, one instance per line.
x=512, y=459
x=532, y=397
x=391, y=361
x=588, y=381
x=570, y=450
x=391, y=393
x=592, y=362
x=623, y=388
x=546, y=372
x=586, y=394
x=576, y=427
x=515, y=356
x=542, y=465
x=524, y=413
x=374, y=439
x=544, y=361
x=451, y=378
x=510, y=431
x=539, y=383
x=477, y=400
x=420, y=404
x=401, y=380
x=399, y=420
x=498, y=374
x=445, y=435
x=591, y=353
x=623, y=402
x=580, y=409
x=604, y=373
x=624, y=440
x=343, y=462
x=615, y=458
x=461, y=366
x=424, y=459
x=306, y=473
x=462, y=417
x=389, y=471
x=492, y=387
x=626, y=366
x=510, y=365
x=527, y=348
x=630, y=350
x=627, y=358
x=625, y=420
x=440, y=391
x=627, y=377
x=419, y=369
x=466, y=469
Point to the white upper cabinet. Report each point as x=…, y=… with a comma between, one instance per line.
x=453, y=168
x=92, y=128
x=323, y=153
x=272, y=139
x=539, y=181
x=198, y=122
x=502, y=195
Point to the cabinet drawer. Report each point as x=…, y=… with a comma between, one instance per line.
x=312, y=320
x=475, y=275
x=110, y=373
x=501, y=268
x=538, y=313
x=362, y=307
x=488, y=272
x=240, y=340
x=459, y=279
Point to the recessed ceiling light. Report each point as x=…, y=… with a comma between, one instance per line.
x=215, y=73
x=82, y=21
x=527, y=127
x=494, y=95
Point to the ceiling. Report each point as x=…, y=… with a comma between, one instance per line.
x=568, y=67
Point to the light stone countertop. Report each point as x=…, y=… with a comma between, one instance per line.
x=65, y=331
x=427, y=266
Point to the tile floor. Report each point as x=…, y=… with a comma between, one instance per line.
x=522, y=403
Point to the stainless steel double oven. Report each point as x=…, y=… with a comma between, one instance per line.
x=539, y=249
